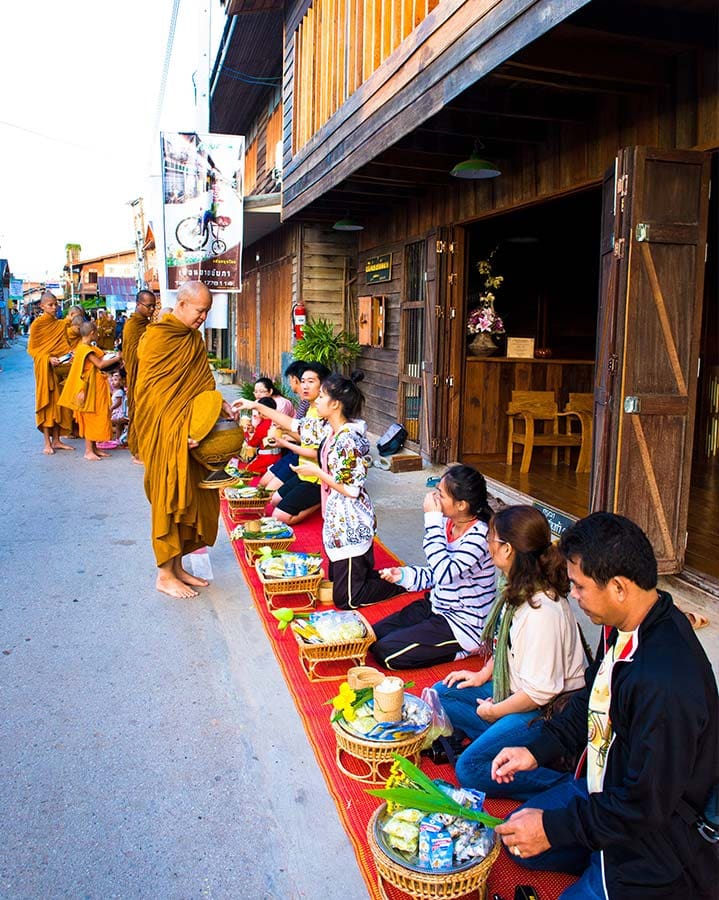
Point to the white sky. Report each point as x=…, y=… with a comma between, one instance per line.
x=79, y=90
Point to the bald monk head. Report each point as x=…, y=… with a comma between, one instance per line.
x=48, y=303
x=87, y=329
x=145, y=304
x=194, y=301
x=75, y=311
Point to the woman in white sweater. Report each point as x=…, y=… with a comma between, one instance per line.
x=536, y=654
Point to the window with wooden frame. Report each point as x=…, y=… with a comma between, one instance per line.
x=371, y=321
x=411, y=339
x=337, y=46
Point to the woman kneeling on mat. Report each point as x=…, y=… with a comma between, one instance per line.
x=349, y=520
x=447, y=624
x=537, y=655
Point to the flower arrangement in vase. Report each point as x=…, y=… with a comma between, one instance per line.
x=483, y=321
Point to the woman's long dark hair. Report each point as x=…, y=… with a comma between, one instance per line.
x=466, y=483
x=537, y=565
x=345, y=390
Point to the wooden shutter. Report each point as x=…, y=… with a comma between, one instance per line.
x=653, y=253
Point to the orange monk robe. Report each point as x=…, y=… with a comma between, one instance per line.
x=131, y=334
x=47, y=338
x=72, y=334
x=93, y=410
x=106, y=333
x=173, y=381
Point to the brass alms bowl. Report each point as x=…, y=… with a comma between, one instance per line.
x=220, y=445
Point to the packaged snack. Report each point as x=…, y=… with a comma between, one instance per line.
x=441, y=850
x=401, y=835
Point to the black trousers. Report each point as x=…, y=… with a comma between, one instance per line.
x=414, y=638
x=356, y=582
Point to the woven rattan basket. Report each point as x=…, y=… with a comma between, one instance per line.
x=241, y=509
x=375, y=756
x=253, y=546
x=429, y=885
x=313, y=655
x=278, y=590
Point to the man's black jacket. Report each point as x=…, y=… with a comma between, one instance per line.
x=665, y=714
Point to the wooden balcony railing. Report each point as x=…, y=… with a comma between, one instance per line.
x=337, y=46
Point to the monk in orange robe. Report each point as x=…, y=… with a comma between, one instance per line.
x=134, y=329
x=87, y=393
x=174, y=392
x=46, y=344
x=73, y=320
x=105, y=330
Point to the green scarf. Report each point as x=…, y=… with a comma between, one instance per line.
x=497, y=626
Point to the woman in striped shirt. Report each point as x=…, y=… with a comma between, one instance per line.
x=447, y=624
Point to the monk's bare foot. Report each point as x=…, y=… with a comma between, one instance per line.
x=48, y=451
x=173, y=587
x=185, y=577
x=92, y=456
x=102, y=454
x=138, y=462
x=58, y=445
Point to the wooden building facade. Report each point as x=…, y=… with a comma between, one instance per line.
x=601, y=243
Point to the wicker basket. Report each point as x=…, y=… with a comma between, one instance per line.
x=376, y=756
x=313, y=655
x=282, y=588
x=241, y=509
x=430, y=885
x=253, y=546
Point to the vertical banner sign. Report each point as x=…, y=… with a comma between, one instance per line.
x=202, y=208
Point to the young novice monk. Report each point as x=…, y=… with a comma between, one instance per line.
x=86, y=392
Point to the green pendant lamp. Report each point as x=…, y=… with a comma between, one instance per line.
x=348, y=223
x=476, y=166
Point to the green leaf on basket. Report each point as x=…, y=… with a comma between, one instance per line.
x=416, y=798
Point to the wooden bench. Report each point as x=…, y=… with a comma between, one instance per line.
x=529, y=407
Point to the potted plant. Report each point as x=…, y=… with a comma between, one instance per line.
x=223, y=372
x=322, y=343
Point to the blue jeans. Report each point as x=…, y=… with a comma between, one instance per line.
x=474, y=766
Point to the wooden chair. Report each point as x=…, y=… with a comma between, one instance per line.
x=582, y=406
x=530, y=407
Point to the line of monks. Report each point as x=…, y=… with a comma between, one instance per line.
x=169, y=389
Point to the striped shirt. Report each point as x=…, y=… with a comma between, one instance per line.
x=461, y=577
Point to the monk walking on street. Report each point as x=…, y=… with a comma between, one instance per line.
x=174, y=393
x=134, y=329
x=46, y=344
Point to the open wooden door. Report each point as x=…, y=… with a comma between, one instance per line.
x=448, y=337
x=650, y=305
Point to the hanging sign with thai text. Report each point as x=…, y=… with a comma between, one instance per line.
x=379, y=268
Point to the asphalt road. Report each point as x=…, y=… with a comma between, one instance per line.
x=148, y=746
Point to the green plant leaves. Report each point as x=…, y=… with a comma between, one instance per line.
x=321, y=343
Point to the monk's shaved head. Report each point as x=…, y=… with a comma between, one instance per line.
x=87, y=328
x=194, y=301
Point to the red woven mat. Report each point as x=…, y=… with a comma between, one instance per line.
x=354, y=805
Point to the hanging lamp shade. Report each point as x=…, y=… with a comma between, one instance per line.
x=348, y=224
x=476, y=166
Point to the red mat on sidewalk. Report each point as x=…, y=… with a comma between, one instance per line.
x=354, y=805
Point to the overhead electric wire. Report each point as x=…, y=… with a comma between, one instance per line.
x=163, y=77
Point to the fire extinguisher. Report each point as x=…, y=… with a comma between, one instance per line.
x=299, y=317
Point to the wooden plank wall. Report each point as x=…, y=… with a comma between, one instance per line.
x=381, y=364
x=275, y=270
x=327, y=266
x=260, y=152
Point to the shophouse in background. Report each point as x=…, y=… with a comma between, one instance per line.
x=108, y=281
x=569, y=146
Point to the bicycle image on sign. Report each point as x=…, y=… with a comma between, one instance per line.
x=197, y=232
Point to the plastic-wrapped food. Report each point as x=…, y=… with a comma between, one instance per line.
x=338, y=627
x=409, y=815
x=401, y=835
x=441, y=726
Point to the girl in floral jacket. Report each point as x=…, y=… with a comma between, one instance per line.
x=349, y=519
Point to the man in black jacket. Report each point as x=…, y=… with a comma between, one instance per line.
x=649, y=720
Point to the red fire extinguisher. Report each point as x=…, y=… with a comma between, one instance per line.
x=299, y=317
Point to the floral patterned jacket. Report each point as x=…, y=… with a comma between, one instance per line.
x=349, y=522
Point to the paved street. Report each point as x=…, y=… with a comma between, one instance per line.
x=149, y=746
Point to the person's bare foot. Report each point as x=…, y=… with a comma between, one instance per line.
x=102, y=454
x=92, y=456
x=48, y=451
x=137, y=461
x=58, y=445
x=186, y=577
x=173, y=587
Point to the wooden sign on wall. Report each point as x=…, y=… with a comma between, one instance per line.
x=378, y=268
